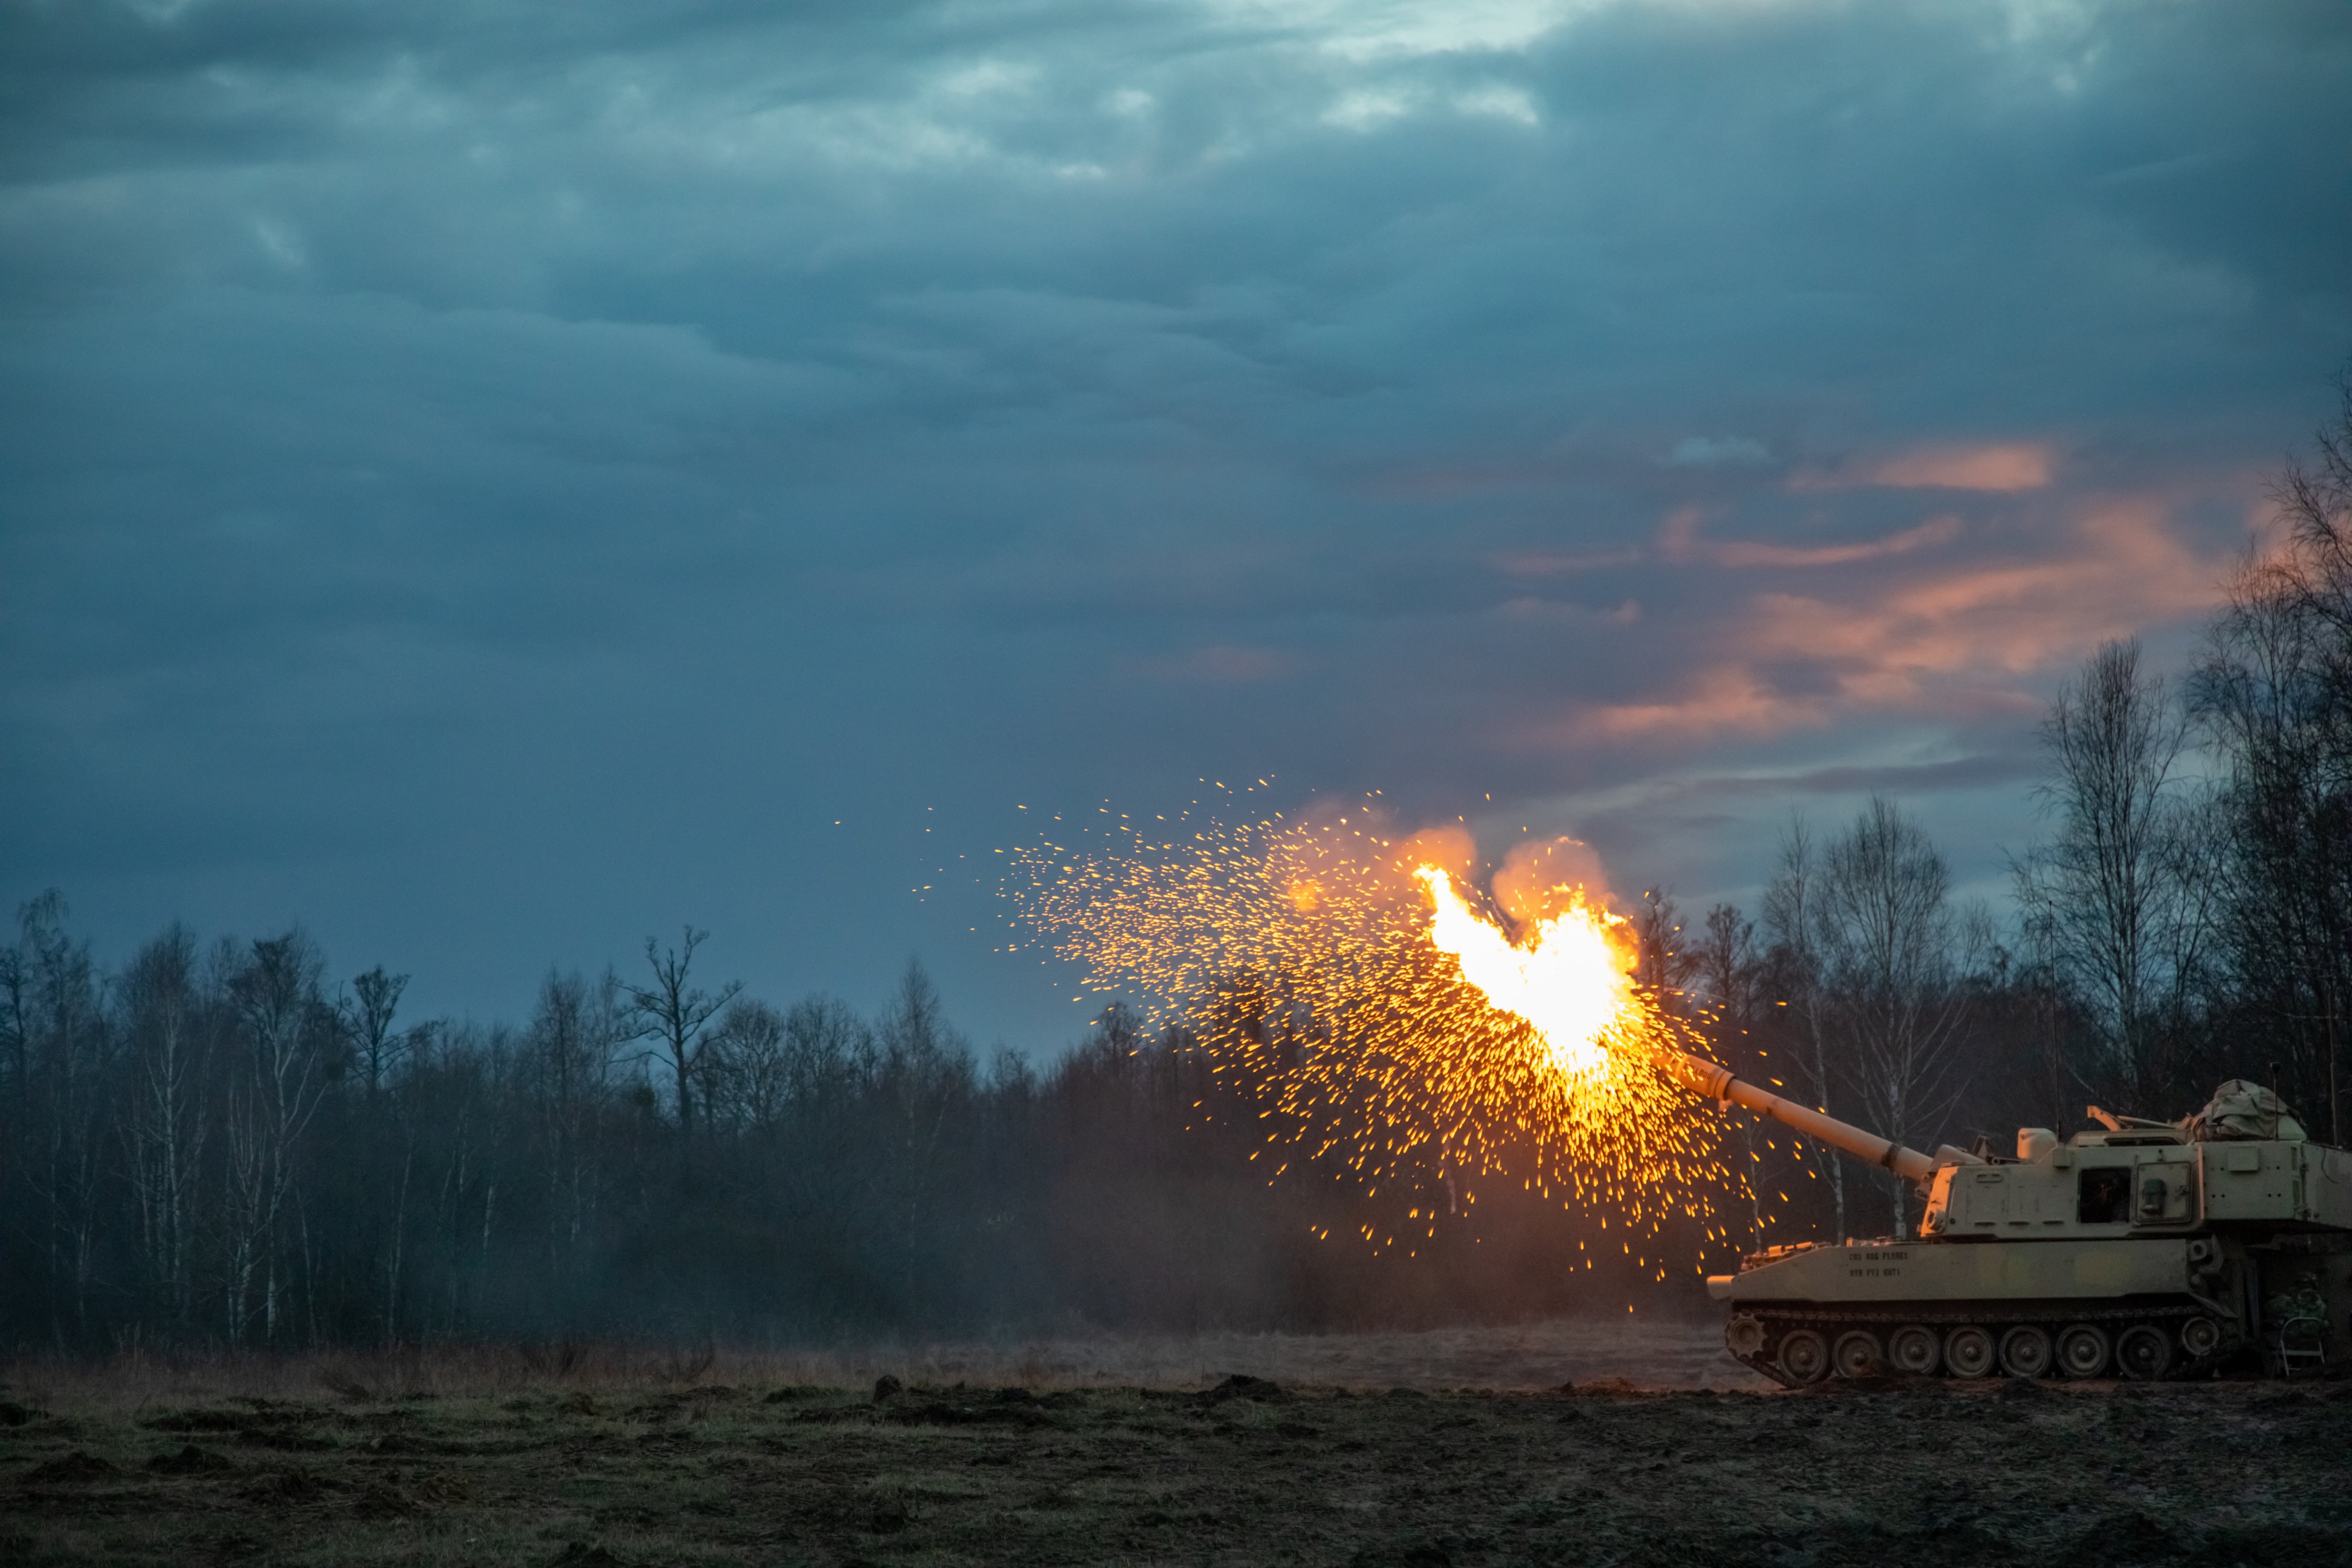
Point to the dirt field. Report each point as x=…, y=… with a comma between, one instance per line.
x=1396, y=1449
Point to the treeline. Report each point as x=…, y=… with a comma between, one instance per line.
x=215, y=1145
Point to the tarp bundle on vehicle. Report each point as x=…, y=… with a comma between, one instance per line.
x=2244, y=1109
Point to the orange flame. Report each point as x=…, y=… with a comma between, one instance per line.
x=1571, y=981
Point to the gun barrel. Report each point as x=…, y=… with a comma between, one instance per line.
x=1710, y=1082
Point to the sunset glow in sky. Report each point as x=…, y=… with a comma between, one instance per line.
x=494, y=480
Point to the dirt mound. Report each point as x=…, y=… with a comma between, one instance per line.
x=190, y=1460
x=959, y=1407
x=1607, y=1388
x=793, y=1393
x=211, y=1420
x=76, y=1469
x=377, y=1501
x=1879, y=1382
x=292, y=1486
x=581, y=1555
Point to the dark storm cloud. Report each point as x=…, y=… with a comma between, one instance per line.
x=495, y=479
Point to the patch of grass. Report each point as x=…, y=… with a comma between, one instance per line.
x=1240, y=1470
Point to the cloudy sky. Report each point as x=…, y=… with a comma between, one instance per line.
x=490, y=481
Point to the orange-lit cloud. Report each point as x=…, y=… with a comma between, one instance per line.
x=1724, y=700
x=2114, y=570
x=2126, y=570
x=1679, y=540
x=2003, y=468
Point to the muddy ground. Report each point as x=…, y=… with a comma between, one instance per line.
x=351, y=1461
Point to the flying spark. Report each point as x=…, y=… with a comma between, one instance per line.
x=1378, y=1016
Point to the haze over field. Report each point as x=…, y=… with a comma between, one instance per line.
x=491, y=481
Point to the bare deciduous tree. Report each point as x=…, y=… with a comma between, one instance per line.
x=568, y=1057
x=276, y=1089
x=368, y=1020
x=1792, y=914
x=926, y=1075
x=1893, y=958
x=677, y=1014
x=748, y=1066
x=1665, y=962
x=164, y=1124
x=62, y=1047
x=2122, y=894
x=1725, y=967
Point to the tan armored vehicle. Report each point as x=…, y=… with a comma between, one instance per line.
x=2146, y=1249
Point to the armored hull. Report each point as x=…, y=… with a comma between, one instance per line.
x=2142, y=1250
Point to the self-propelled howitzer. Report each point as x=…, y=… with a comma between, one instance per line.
x=2149, y=1249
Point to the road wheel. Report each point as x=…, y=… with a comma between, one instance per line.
x=2200, y=1337
x=1804, y=1356
x=1914, y=1348
x=1857, y=1354
x=2144, y=1351
x=2025, y=1350
x=1968, y=1351
x=2083, y=1351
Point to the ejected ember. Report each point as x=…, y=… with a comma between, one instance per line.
x=1408, y=1036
